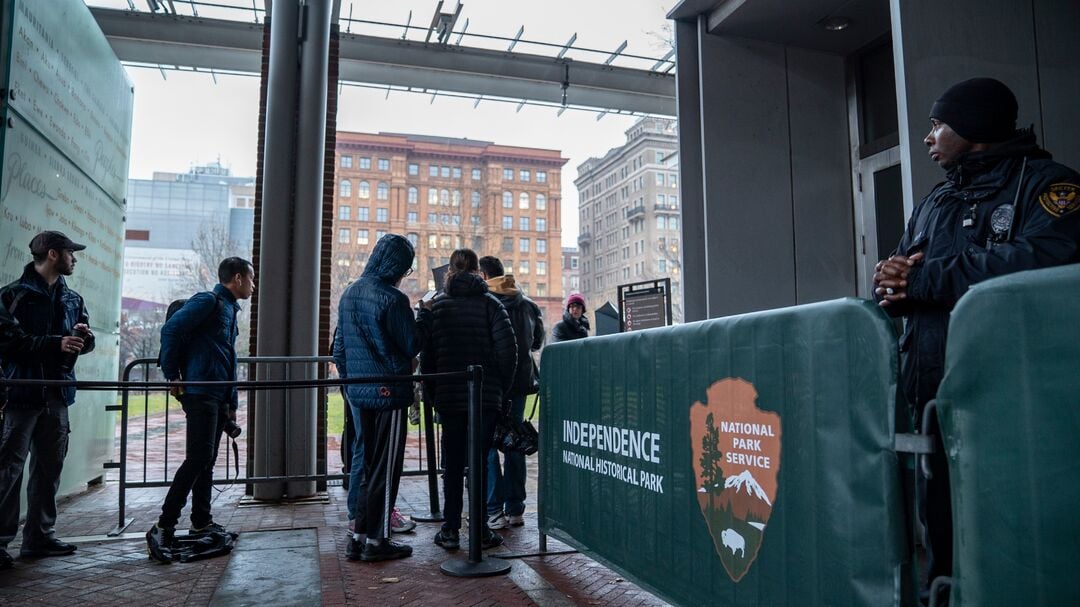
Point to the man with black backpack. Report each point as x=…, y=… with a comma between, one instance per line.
x=198, y=344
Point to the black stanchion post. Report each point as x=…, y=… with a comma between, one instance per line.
x=435, y=516
x=476, y=565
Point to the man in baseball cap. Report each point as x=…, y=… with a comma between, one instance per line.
x=55, y=321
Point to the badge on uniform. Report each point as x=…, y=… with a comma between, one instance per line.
x=1001, y=219
x=1060, y=199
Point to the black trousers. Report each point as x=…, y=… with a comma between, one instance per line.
x=455, y=444
x=384, y=456
x=42, y=433
x=934, y=502
x=206, y=419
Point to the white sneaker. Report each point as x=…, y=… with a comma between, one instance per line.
x=516, y=520
x=497, y=521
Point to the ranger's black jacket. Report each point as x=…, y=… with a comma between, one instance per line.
x=1014, y=223
x=33, y=348
x=568, y=328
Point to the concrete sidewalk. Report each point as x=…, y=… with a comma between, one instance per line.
x=118, y=572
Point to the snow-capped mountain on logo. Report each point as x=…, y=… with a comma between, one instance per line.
x=745, y=479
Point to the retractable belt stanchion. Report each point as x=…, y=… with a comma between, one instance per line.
x=476, y=565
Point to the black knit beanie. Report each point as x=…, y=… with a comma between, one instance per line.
x=981, y=110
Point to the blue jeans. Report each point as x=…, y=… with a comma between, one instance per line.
x=356, y=467
x=506, y=485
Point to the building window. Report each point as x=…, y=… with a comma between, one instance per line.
x=541, y=245
x=384, y=164
x=524, y=175
x=344, y=236
x=455, y=198
x=444, y=172
x=444, y=218
x=541, y=177
x=508, y=265
x=414, y=195
x=433, y=171
x=346, y=188
x=661, y=266
x=673, y=180
x=365, y=189
x=414, y=169
x=345, y=213
x=541, y=289
x=413, y=238
x=346, y=162
x=507, y=244
x=365, y=162
x=455, y=219
x=508, y=200
x=444, y=197
x=659, y=157
x=361, y=237
x=508, y=174
x=432, y=196
x=362, y=213
x=433, y=241
x=476, y=174
x=382, y=215
x=474, y=220
x=673, y=201
x=523, y=245
x=475, y=197
x=660, y=179
x=673, y=223
x=523, y=200
x=444, y=241
x=456, y=172
x=541, y=202
x=661, y=222
x=541, y=224
x=523, y=223
x=661, y=200
x=523, y=266
x=382, y=192
x=541, y=268
x=412, y=217
x=433, y=218
x=508, y=222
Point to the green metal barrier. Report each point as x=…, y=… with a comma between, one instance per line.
x=740, y=461
x=1010, y=416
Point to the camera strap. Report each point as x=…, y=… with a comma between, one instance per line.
x=536, y=402
x=236, y=457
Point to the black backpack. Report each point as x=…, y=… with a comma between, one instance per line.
x=175, y=306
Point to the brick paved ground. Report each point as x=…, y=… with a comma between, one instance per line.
x=117, y=572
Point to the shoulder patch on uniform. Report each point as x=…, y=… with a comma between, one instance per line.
x=1060, y=199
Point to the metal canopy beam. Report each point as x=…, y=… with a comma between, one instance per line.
x=237, y=46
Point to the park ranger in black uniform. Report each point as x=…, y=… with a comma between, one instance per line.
x=1004, y=207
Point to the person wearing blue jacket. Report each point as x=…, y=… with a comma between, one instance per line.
x=377, y=336
x=198, y=343
x=45, y=327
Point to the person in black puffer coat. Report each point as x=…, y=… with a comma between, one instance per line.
x=574, y=323
x=466, y=326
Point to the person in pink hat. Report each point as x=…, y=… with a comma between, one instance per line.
x=574, y=323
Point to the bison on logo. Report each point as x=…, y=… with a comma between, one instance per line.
x=736, y=461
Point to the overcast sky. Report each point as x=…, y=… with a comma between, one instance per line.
x=185, y=118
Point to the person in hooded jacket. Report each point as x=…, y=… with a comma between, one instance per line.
x=1004, y=207
x=378, y=335
x=574, y=323
x=506, y=484
x=466, y=326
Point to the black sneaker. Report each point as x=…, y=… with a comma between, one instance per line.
x=354, y=550
x=159, y=544
x=448, y=538
x=490, y=539
x=6, y=562
x=385, y=550
x=207, y=529
x=47, y=547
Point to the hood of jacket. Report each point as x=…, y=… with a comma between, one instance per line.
x=465, y=284
x=392, y=257
x=507, y=290
x=975, y=164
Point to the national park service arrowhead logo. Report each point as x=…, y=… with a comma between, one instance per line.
x=736, y=462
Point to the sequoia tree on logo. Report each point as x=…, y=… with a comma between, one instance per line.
x=736, y=462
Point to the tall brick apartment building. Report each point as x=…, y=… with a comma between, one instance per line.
x=445, y=193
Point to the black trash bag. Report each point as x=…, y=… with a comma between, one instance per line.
x=207, y=546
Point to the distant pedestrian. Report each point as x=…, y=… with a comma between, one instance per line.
x=198, y=343
x=574, y=323
x=467, y=326
x=377, y=335
x=55, y=319
x=506, y=484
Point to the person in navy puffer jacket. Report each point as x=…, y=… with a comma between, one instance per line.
x=378, y=335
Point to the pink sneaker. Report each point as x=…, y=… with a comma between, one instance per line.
x=400, y=524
